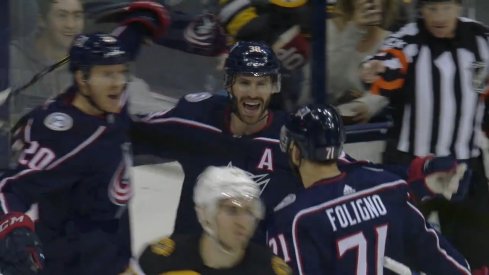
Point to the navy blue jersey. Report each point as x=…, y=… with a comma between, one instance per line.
x=349, y=223
x=196, y=134
x=75, y=166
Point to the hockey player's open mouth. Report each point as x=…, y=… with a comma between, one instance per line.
x=251, y=106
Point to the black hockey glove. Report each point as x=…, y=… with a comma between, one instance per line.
x=20, y=249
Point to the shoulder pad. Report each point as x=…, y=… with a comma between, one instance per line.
x=58, y=121
x=289, y=3
x=164, y=247
x=280, y=267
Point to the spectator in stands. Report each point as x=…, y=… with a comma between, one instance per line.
x=59, y=22
x=434, y=72
x=357, y=31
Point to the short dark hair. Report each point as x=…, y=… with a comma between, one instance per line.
x=44, y=6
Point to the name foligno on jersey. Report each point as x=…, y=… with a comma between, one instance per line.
x=356, y=211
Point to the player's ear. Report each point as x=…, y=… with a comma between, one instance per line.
x=230, y=92
x=277, y=85
x=200, y=215
x=296, y=155
x=80, y=78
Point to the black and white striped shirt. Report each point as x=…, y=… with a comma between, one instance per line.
x=437, y=88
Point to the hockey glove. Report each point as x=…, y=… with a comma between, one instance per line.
x=438, y=176
x=153, y=16
x=292, y=48
x=481, y=271
x=20, y=249
x=206, y=34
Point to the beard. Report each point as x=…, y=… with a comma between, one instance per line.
x=250, y=120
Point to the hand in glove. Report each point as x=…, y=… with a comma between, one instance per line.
x=20, y=249
x=438, y=176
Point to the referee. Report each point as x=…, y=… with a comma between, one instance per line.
x=433, y=71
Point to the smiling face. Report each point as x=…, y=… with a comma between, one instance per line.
x=63, y=21
x=105, y=87
x=441, y=18
x=252, y=95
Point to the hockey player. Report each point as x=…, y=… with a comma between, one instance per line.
x=282, y=24
x=236, y=129
x=228, y=205
x=74, y=160
x=356, y=220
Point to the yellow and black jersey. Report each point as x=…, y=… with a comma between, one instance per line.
x=179, y=255
x=262, y=19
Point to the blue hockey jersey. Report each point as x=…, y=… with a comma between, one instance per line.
x=75, y=166
x=349, y=223
x=196, y=134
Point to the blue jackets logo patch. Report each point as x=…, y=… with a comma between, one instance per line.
x=58, y=121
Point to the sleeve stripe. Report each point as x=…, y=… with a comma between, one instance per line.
x=241, y=19
x=382, y=84
x=75, y=151
x=271, y=140
x=460, y=267
x=27, y=133
x=182, y=121
x=3, y=201
x=401, y=56
x=232, y=9
x=288, y=3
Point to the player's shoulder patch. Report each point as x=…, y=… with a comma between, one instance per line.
x=164, y=247
x=288, y=3
x=58, y=121
x=197, y=97
x=280, y=267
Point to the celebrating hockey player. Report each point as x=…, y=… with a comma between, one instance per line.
x=236, y=129
x=350, y=221
x=73, y=158
x=81, y=193
x=228, y=205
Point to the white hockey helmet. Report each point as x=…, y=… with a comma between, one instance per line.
x=218, y=183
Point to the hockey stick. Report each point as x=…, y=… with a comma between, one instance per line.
x=34, y=79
